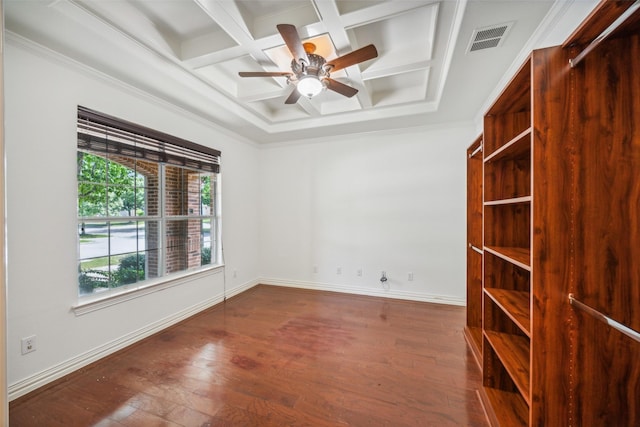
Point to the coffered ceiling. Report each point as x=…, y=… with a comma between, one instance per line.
x=189, y=53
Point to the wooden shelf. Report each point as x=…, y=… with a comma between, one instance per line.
x=518, y=256
x=511, y=201
x=513, y=352
x=509, y=408
x=476, y=248
x=518, y=147
x=516, y=305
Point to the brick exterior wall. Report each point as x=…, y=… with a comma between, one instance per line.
x=182, y=197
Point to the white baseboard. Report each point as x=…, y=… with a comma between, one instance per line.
x=241, y=288
x=391, y=293
x=42, y=378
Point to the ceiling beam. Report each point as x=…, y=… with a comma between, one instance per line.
x=328, y=11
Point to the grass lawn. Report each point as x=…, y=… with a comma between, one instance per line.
x=101, y=262
x=84, y=238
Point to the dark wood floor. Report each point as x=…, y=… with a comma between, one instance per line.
x=279, y=357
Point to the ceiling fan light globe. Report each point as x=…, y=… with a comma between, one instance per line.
x=310, y=86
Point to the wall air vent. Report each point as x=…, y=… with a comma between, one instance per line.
x=488, y=37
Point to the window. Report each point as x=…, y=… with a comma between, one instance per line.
x=147, y=205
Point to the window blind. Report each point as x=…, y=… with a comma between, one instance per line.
x=101, y=133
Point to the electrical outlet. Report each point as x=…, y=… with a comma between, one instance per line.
x=339, y=270
x=315, y=269
x=359, y=272
x=28, y=344
x=383, y=279
x=235, y=273
x=410, y=277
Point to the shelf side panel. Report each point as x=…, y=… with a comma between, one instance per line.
x=475, y=168
x=474, y=195
x=553, y=161
x=474, y=289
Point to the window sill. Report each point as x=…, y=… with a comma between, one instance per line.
x=92, y=303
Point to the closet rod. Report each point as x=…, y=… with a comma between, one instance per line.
x=606, y=319
x=480, y=147
x=476, y=249
x=623, y=17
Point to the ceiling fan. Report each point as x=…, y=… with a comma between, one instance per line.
x=311, y=73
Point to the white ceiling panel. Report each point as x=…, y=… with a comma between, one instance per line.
x=399, y=88
x=262, y=16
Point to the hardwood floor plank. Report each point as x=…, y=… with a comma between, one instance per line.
x=279, y=356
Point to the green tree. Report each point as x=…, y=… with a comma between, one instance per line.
x=205, y=190
x=104, y=184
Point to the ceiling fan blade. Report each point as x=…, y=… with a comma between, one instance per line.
x=293, y=96
x=264, y=73
x=292, y=40
x=355, y=57
x=341, y=88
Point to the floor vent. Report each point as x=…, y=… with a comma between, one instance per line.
x=488, y=37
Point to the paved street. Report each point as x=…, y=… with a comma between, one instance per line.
x=124, y=239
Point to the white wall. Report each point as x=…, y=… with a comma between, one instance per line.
x=394, y=202
x=42, y=93
x=390, y=201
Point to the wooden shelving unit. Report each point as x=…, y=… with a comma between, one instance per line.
x=524, y=217
x=473, y=329
x=507, y=252
x=523, y=163
x=560, y=215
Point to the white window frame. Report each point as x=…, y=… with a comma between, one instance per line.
x=95, y=301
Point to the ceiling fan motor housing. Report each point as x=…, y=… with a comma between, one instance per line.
x=315, y=67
